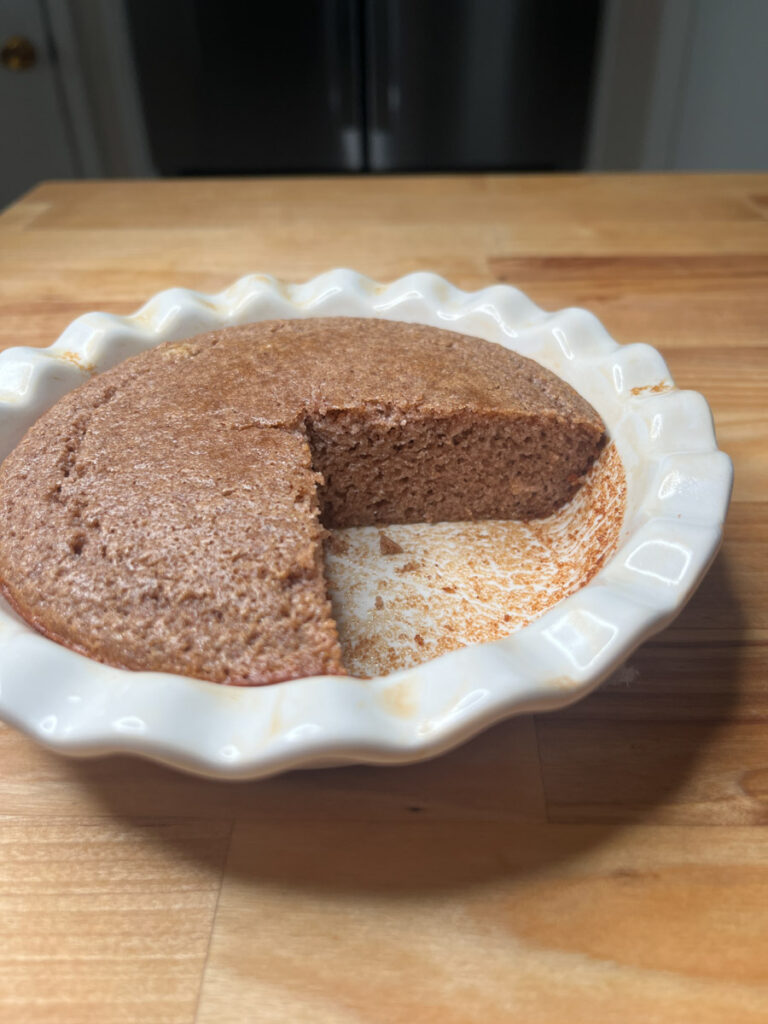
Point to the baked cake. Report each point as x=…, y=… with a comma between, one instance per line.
x=169, y=514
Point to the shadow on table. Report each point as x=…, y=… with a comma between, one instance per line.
x=529, y=792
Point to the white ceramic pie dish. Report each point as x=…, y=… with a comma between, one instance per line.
x=678, y=487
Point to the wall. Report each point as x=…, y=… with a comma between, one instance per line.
x=683, y=84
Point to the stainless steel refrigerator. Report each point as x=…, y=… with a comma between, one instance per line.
x=364, y=85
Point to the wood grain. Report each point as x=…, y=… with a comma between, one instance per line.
x=606, y=862
x=106, y=920
x=530, y=922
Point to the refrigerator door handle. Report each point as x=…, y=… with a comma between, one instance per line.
x=383, y=92
x=344, y=79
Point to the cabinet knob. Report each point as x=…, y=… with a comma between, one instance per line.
x=18, y=54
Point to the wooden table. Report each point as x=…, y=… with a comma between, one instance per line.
x=604, y=863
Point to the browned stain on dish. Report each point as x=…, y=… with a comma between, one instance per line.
x=145, y=317
x=462, y=583
x=399, y=699
x=76, y=360
x=561, y=683
x=651, y=389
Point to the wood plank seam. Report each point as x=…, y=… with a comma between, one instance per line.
x=222, y=872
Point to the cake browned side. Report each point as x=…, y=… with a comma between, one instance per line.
x=167, y=514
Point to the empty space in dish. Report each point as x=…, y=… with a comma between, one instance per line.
x=453, y=584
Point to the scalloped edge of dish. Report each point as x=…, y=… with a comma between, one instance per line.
x=678, y=483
